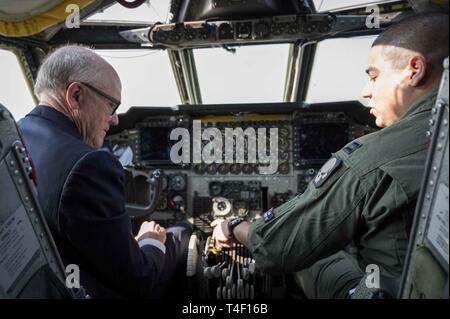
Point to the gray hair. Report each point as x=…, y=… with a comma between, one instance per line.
x=66, y=65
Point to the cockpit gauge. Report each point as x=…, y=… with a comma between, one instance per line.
x=241, y=208
x=178, y=183
x=221, y=207
x=284, y=168
x=177, y=203
x=236, y=169
x=247, y=169
x=283, y=144
x=200, y=169
x=284, y=156
x=224, y=169
x=283, y=132
x=211, y=169
x=215, y=189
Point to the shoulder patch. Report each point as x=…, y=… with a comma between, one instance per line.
x=352, y=147
x=326, y=171
x=268, y=216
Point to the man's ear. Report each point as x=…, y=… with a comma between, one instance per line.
x=417, y=67
x=74, y=96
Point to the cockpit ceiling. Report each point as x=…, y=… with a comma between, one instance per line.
x=25, y=9
x=30, y=17
x=224, y=9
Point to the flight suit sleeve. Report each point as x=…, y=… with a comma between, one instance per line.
x=311, y=226
x=93, y=219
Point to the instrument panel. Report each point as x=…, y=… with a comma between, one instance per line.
x=231, y=165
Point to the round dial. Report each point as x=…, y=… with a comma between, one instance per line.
x=284, y=168
x=284, y=132
x=211, y=169
x=221, y=207
x=240, y=207
x=178, y=183
x=224, y=169
x=200, y=169
x=236, y=169
x=284, y=156
x=215, y=189
x=247, y=169
x=177, y=202
x=283, y=144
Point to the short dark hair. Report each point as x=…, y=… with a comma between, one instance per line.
x=425, y=33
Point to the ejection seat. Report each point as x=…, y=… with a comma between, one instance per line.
x=425, y=275
x=30, y=266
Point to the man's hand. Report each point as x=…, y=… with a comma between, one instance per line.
x=220, y=233
x=151, y=230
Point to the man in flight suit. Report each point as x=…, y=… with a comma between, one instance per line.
x=366, y=193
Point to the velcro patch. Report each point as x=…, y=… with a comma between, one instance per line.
x=352, y=147
x=326, y=171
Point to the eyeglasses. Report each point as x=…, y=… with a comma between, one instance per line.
x=115, y=103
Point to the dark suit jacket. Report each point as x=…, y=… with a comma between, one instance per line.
x=81, y=193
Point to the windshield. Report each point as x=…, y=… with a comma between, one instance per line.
x=338, y=73
x=331, y=5
x=14, y=92
x=253, y=74
x=146, y=76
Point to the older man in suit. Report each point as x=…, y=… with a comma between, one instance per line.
x=80, y=187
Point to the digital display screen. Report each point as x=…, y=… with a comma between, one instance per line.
x=318, y=140
x=156, y=144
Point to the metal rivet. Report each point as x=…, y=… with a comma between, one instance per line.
x=27, y=198
x=424, y=216
x=16, y=172
x=25, y=159
x=439, y=147
x=31, y=209
x=12, y=163
x=442, y=135
x=433, y=110
x=428, y=196
x=431, y=183
x=36, y=220
x=445, y=122
x=420, y=233
x=435, y=168
x=431, y=122
x=428, y=133
x=20, y=181
x=41, y=235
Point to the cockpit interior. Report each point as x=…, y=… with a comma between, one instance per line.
x=203, y=158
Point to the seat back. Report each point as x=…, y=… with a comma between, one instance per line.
x=426, y=267
x=30, y=266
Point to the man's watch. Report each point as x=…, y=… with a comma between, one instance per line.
x=232, y=223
